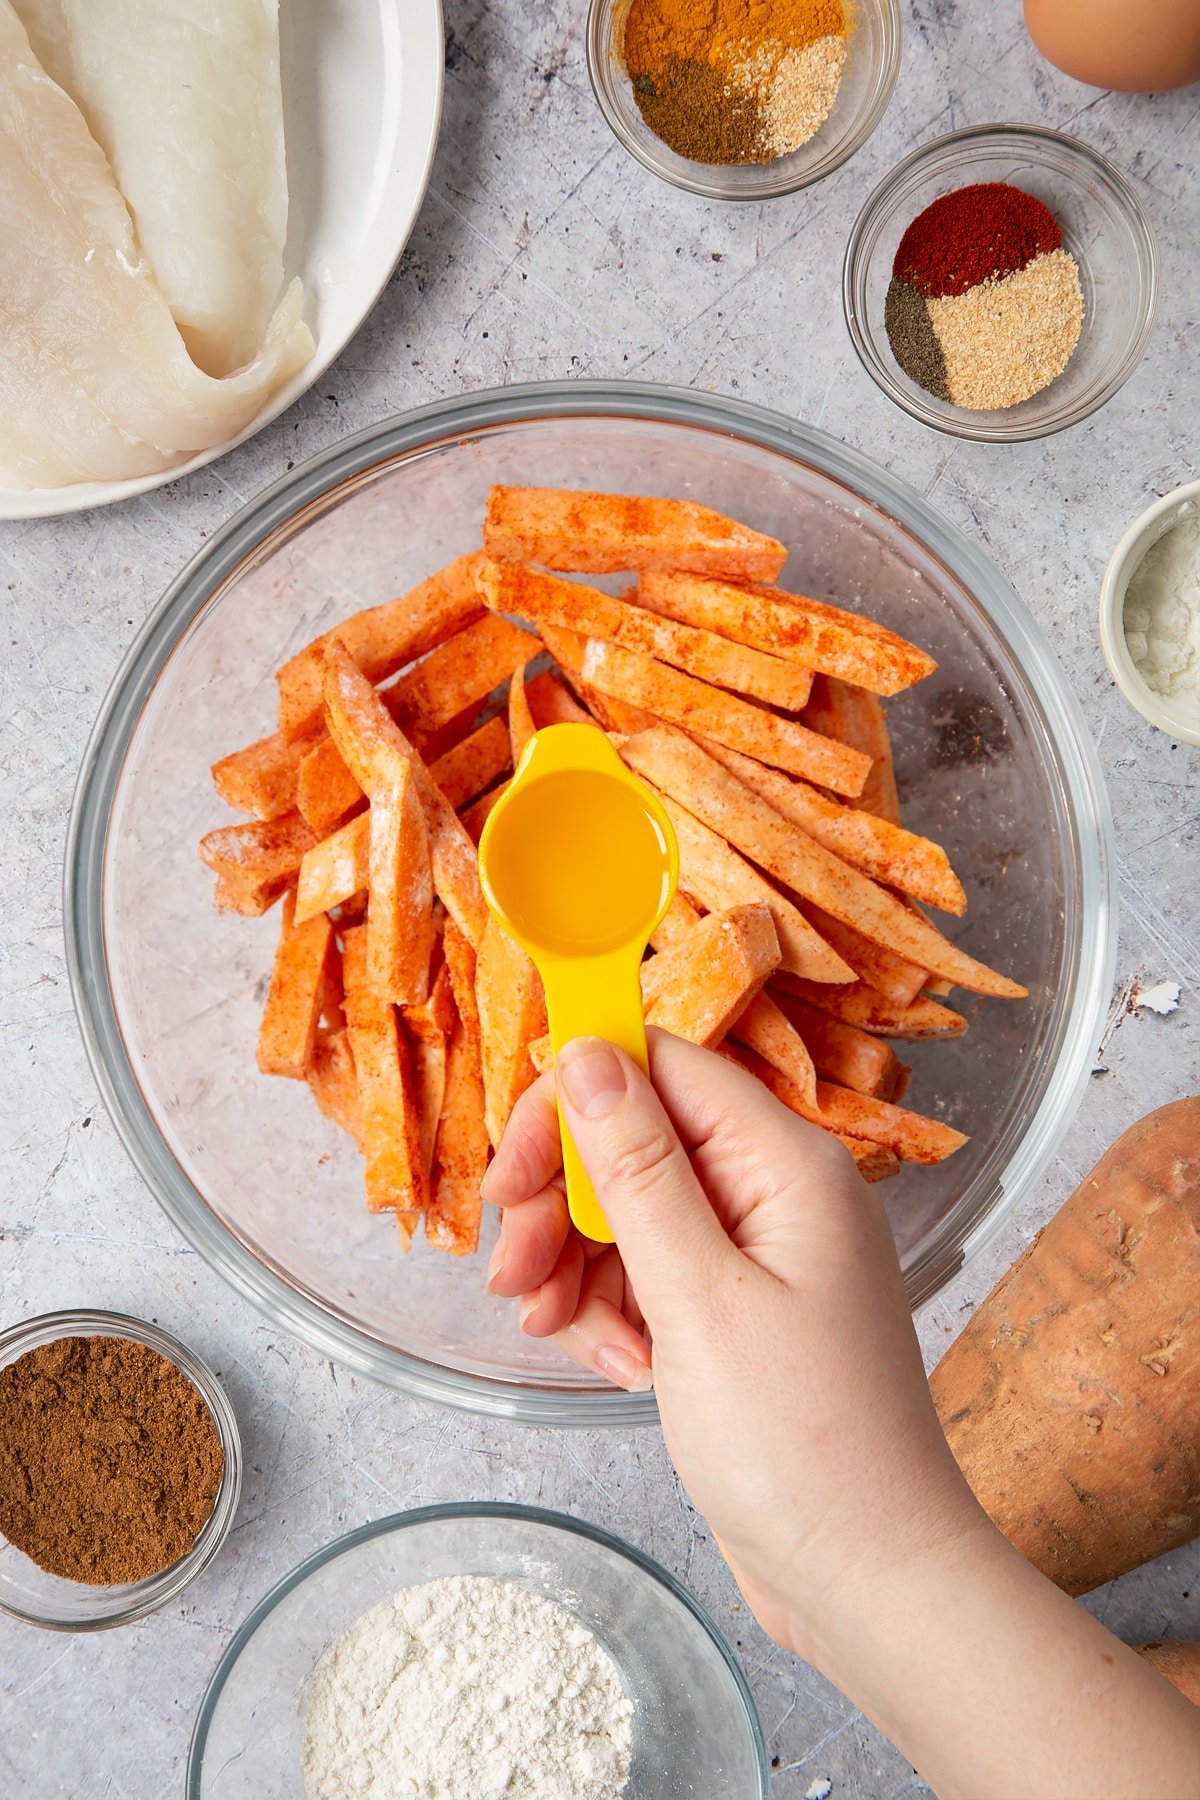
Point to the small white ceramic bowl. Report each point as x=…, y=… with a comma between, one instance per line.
x=1153, y=524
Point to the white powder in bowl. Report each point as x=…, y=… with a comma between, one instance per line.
x=467, y=1689
x=1162, y=616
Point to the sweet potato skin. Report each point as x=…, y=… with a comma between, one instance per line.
x=1071, y=1400
x=1177, y=1663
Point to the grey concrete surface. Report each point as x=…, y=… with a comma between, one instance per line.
x=543, y=250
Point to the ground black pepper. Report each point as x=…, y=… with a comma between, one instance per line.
x=914, y=343
x=110, y=1462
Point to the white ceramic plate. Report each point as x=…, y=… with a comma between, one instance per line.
x=362, y=97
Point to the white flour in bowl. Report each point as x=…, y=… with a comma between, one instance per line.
x=467, y=1689
x=1162, y=615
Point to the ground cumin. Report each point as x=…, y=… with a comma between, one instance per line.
x=110, y=1461
x=734, y=81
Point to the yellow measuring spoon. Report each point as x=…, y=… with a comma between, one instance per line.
x=579, y=863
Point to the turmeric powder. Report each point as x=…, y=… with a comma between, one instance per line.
x=723, y=81
x=701, y=29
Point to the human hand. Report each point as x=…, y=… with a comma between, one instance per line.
x=760, y=1266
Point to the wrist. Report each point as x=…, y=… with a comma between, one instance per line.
x=902, y=1534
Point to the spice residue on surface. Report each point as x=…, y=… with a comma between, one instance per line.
x=734, y=81
x=985, y=307
x=471, y=1675
x=1162, y=616
x=110, y=1462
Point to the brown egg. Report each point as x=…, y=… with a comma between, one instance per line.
x=1139, y=46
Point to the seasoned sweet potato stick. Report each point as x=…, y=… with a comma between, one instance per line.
x=457, y=677
x=550, y=703
x=862, y=1007
x=512, y=587
x=333, y=994
x=705, y=975
x=396, y=1179
x=363, y=729
x=428, y=1027
x=908, y=1135
x=874, y=1162
x=262, y=779
x=288, y=1030
x=472, y=765
x=427, y=702
x=880, y=848
x=474, y=816
x=805, y=631
x=461, y=1152
x=855, y=717
x=326, y=792
x=333, y=1082
x=882, y=969
x=400, y=922
x=842, y=1053
x=706, y=981
x=452, y=1221
x=683, y=769
x=592, y=533
x=381, y=639
x=713, y=873
x=671, y=695
x=461, y=968
x=512, y=1013
x=679, y=919
x=255, y=862
x=334, y=870
x=766, y=1030
x=567, y=648
x=520, y=720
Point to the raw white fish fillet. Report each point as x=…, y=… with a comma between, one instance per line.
x=184, y=98
x=95, y=380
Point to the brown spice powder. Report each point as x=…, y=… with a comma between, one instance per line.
x=690, y=106
x=110, y=1462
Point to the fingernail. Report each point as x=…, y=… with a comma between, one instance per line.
x=590, y=1075
x=496, y=1262
x=628, y=1373
x=528, y=1307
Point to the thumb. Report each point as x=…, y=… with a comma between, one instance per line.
x=670, y=1239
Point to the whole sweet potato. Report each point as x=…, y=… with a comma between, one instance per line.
x=1072, y=1400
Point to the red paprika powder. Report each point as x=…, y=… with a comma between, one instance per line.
x=977, y=233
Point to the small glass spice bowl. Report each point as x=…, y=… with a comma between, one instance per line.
x=1146, y=530
x=33, y=1594
x=1103, y=227
x=868, y=81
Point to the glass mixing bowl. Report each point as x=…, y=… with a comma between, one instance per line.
x=695, y=1728
x=992, y=755
x=1103, y=227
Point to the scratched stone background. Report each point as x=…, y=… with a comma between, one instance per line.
x=544, y=251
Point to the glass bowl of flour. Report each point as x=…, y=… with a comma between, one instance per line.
x=478, y=1652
